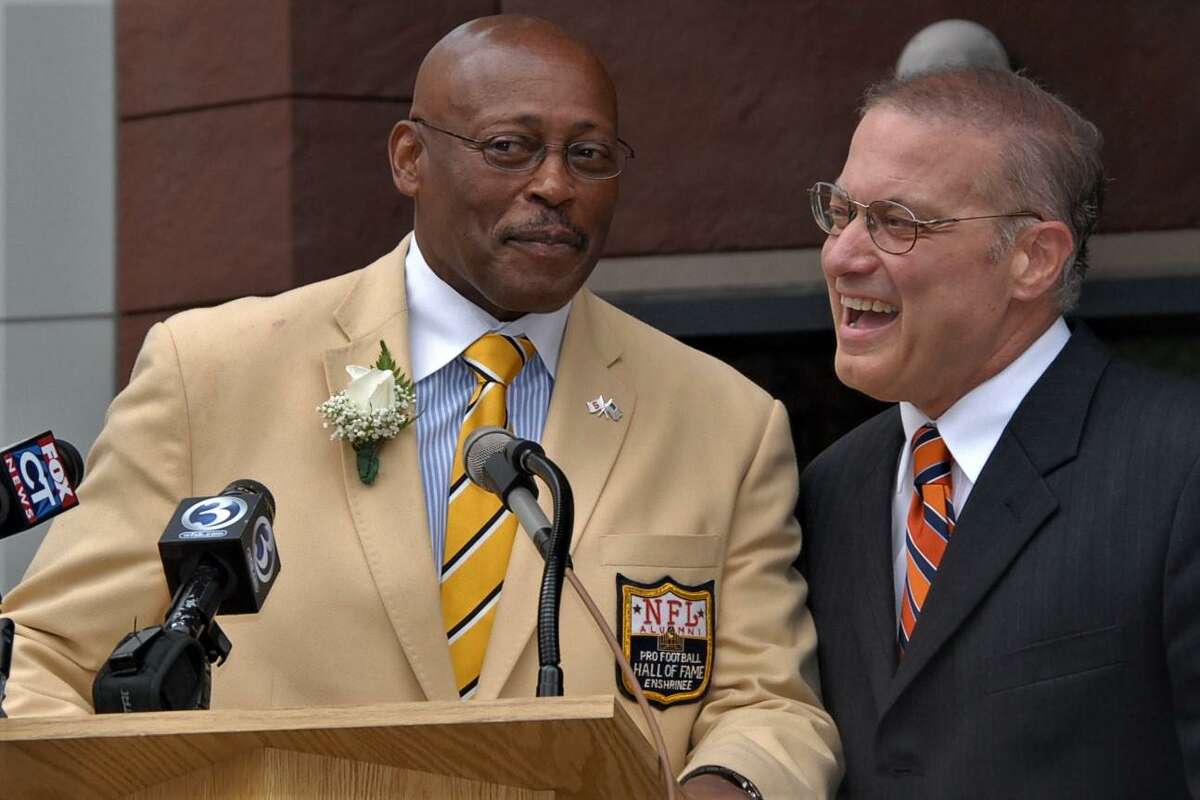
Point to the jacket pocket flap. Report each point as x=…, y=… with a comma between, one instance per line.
x=1055, y=658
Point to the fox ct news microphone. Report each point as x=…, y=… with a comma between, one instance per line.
x=38, y=478
x=219, y=556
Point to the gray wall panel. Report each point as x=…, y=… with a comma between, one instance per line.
x=57, y=228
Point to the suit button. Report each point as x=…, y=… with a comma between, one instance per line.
x=902, y=766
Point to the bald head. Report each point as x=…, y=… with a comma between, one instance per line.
x=512, y=240
x=451, y=72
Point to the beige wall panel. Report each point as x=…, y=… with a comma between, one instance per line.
x=369, y=48
x=251, y=199
x=173, y=55
x=346, y=212
x=204, y=206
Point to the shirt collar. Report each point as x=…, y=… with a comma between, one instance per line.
x=442, y=323
x=972, y=426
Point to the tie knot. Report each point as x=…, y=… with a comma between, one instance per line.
x=498, y=357
x=931, y=457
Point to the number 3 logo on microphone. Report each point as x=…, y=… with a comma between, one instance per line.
x=264, y=550
x=214, y=513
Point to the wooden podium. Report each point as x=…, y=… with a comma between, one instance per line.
x=565, y=747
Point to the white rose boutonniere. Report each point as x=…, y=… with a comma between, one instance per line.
x=377, y=404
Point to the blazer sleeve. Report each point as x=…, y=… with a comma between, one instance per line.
x=97, y=575
x=1181, y=624
x=763, y=717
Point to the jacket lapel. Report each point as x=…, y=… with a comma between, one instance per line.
x=1005, y=509
x=1011, y=500
x=390, y=515
x=869, y=541
x=585, y=447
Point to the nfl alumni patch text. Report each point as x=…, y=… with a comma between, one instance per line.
x=666, y=630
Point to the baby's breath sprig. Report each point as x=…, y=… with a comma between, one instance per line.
x=373, y=415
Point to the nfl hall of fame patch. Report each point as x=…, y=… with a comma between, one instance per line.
x=666, y=631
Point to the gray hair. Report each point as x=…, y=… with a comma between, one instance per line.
x=1049, y=158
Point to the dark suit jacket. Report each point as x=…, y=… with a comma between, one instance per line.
x=1058, y=653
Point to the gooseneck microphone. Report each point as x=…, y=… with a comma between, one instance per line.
x=509, y=478
x=38, y=478
x=502, y=464
x=219, y=557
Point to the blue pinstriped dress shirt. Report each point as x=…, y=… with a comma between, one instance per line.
x=441, y=324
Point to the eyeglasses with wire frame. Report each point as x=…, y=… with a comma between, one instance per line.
x=519, y=152
x=892, y=227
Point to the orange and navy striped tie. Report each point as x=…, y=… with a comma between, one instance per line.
x=479, y=529
x=930, y=525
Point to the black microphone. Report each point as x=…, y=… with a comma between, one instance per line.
x=508, y=478
x=502, y=464
x=6, y=643
x=219, y=557
x=38, y=478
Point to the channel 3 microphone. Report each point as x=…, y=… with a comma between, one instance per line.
x=219, y=556
x=38, y=478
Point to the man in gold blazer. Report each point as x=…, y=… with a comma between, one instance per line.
x=683, y=471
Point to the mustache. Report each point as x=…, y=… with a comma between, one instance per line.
x=549, y=228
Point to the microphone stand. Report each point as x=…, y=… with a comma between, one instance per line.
x=167, y=667
x=550, y=676
x=664, y=761
x=506, y=468
x=555, y=550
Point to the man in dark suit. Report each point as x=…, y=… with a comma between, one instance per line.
x=1004, y=568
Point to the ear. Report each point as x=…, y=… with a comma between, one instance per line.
x=404, y=145
x=1039, y=256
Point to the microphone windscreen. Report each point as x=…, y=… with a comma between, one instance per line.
x=251, y=486
x=38, y=478
x=482, y=444
x=72, y=461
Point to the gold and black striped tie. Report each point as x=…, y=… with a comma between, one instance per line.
x=479, y=530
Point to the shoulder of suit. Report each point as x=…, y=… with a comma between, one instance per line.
x=1152, y=402
x=649, y=351
x=300, y=312
x=1129, y=376
x=853, y=448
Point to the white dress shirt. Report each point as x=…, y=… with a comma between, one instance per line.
x=970, y=428
x=441, y=324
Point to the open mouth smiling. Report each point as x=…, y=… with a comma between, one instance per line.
x=865, y=313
